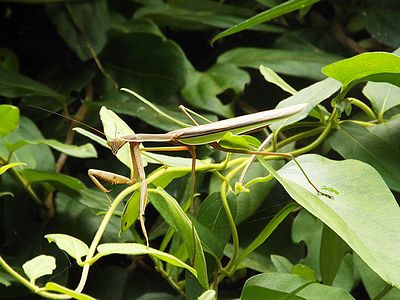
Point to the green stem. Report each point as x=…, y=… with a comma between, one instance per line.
x=300, y=136
x=383, y=292
x=365, y=108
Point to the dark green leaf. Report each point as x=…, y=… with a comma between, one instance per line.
x=83, y=25
x=146, y=63
x=265, y=16
x=13, y=85
x=357, y=142
x=381, y=18
x=296, y=63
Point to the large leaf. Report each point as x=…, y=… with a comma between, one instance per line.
x=296, y=63
x=312, y=95
x=139, y=249
x=9, y=119
x=73, y=246
x=265, y=16
x=147, y=63
x=373, y=66
x=285, y=286
x=355, y=141
x=381, y=18
x=173, y=214
x=82, y=24
x=363, y=212
x=39, y=266
x=51, y=177
x=13, y=84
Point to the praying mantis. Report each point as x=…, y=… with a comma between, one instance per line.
x=186, y=139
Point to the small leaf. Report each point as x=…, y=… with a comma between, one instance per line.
x=239, y=142
x=9, y=118
x=52, y=286
x=265, y=16
x=383, y=96
x=271, y=76
x=74, y=247
x=83, y=151
x=208, y=295
x=131, y=212
x=304, y=271
x=139, y=249
x=8, y=166
x=39, y=266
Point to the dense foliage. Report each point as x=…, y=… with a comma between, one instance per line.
x=323, y=225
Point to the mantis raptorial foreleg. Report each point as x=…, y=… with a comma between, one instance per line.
x=108, y=177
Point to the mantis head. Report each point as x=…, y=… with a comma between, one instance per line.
x=115, y=145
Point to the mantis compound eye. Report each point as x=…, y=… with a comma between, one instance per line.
x=115, y=145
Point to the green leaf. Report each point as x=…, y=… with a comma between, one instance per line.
x=208, y=295
x=13, y=85
x=139, y=249
x=82, y=25
x=197, y=15
x=380, y=19
x=38, y=176
x=282, y=264
x=333, y=249
x=355, y=141
x=350, y=213
x=6, y=279
x=383, y=96
x=73, y=246
x=9, y=118
x=52, y=286
x=146, y=63
x=212, y=223
x=288, y=62
x=239, y=142
x=271, y=76
x=39, y=266
x=202, y=88
x=313, y=95
x=305, y=271
x=131, y=212
x=265, y=16
x=285, y=286
x=373, y=66
x=8, y=166
x=173, y=214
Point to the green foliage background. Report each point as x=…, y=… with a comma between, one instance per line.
x=73, y=56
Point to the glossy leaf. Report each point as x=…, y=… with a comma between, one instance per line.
x=9, y=118
x=13, y=85
x=271, y=76
x=139, y=249
x=288, y=62
x=239, y=142
x=265, y=16
x=350, y=213
x=280, y=285
x=313, y=95
x=39, y=266
x=372, y=66
x=282, y=264
x=357, y=142
x=73, y=246
x=82, y=25
x=173, y=214
x=52, y=286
